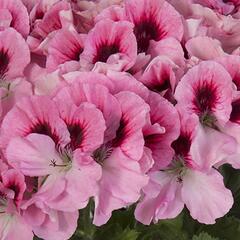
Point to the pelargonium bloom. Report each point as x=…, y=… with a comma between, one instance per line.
x=206, y=90
x=112, y=43
x=42, y=153
x=14, y=14
x=14, y=55
x=189, y=177
x=58, y=16
x=153, y=20
x=123, y=143
x=65, y=48
x=12, y=187
x=160, y=143
x=159, y=75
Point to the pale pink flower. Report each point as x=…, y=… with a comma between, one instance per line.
x=159, y=76
x=14, y=55
x=12, y=187
x=189, y=177
x=42, y=153
x=65, y=48
x=58, y=16
x=160, y=142
x=206, y=90
x=48, y=223
x=112, y=43
x=14, y=14
x=122, y=177
x=154, y=20
x=204, y=48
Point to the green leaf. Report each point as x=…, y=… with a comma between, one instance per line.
x=190, y=225
x=85, y=229
x=232, y=182
x=116, y=232
x=36, y=238
x=226, y=228
x=164, y=230
x=204, y=236
x=127, y=234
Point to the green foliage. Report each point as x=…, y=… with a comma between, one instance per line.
x=203, y=236
x=226, y=228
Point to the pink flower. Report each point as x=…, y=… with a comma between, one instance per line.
x=35, y=115
x=48, y=223
x=160, y=143
x=112, y=43
x=42, y=153
x=14, y=54
x=66, y=46
x=96, y=94
x=159, y=76
x=153, y=20
x=47, y=23
x=12, y=187
x=122, y=178
x=188, y=178
x=206, y=90
x=123, y=143
x=14, y=14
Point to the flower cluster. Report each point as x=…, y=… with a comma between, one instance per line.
x=119, y=101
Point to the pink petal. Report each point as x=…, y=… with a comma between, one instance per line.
x=196, y=186
x=32, y=155
x=34, y=115
x=164, y=203
x=85, y=124
x=206, y=88
x=14, y=227
x=207, y=152
x=129, y=135
x=109, y=38
x=210, y=48
x=160, y=144
x=20, y=18
x=14, y=53
x=120, y=185
x=97, y=95
x=65, y=46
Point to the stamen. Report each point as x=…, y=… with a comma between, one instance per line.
x=65, y=155
x=3, y=202
x=177, y=167
x=209, y=120
x=53, y=164
x=102, y=153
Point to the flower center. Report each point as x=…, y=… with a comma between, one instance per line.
x=146, y=30
x=105, y=50
x=44, y=128
x=102, y=153
x=66, y=155
x=206, y=98
x=235, y=114
x=4, y=62
x=209, y=120
x=3, y=202
x=177, y=167
x=76, y=135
